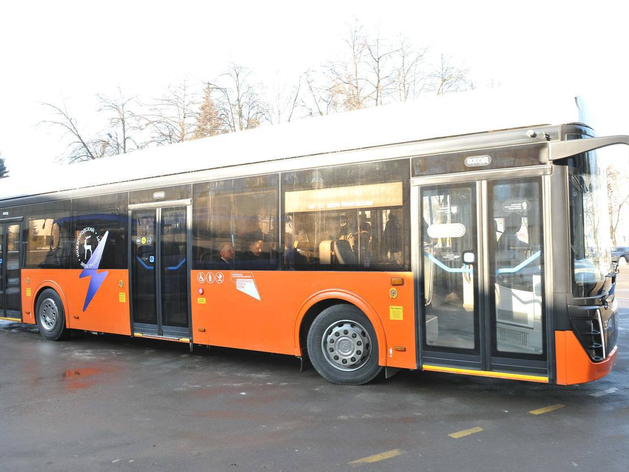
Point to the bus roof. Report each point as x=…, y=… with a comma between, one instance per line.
x=426, y=118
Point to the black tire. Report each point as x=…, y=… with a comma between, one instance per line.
x=343, y=347
x=50, y=315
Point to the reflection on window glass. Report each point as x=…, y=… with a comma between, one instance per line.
x=448, y=235
x=346, y=218
x=236, y=224
x=96, y=220
x=516, y=265
x=590, y=223
x=47, y=236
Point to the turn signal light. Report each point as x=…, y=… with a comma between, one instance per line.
x=397, y=281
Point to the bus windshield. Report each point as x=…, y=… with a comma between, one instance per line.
x=590, y=239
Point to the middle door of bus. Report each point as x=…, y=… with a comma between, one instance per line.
x=159, y=270
x=482, y=275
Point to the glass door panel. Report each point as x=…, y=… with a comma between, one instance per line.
x=160, y=271
x=483, y=276
x=516, y=268
x=450, y=279
x=143, y=263
x=2, y=270
x=12, y=271
x=174, y=267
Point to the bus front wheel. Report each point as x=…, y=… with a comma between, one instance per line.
x=343, y=347
x=50, y=314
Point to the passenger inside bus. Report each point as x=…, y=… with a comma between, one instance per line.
x=292, y=256
x=510, y=249
x=226, y=256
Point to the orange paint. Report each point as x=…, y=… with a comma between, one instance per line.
x=574, y=365
x=233, y=318
x=106, y=313
x=264, y=311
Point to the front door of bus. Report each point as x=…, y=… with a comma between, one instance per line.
x=10, y=303
x=159, y=271
x=481, y=266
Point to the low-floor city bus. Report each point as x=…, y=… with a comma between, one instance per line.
x=460, y=234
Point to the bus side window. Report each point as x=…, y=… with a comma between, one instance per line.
x=348, y=218
x=236, y=224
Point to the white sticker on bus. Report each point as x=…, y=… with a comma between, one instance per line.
x=246, y=284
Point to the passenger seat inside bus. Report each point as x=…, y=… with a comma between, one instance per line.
x=337, y=252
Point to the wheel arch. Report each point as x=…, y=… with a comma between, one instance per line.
x=57, y=288
x=318, y=302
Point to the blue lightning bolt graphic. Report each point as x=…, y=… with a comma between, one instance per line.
x=91, y=270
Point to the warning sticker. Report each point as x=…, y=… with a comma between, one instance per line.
x=396, y=313
x=122, y=297
x=246, y=284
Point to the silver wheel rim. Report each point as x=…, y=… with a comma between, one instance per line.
x=346, y=345
x=48, y=314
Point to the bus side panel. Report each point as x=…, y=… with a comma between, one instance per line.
x=258, y=310
x=107, y=311
x=574, y=365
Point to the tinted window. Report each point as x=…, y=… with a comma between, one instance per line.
x=47, y=235
x=180, y=192
x=236, y=224
x=351, y=217
x=503, y=158
x=100, y=220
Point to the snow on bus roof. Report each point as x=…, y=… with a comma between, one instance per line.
x=425, y=118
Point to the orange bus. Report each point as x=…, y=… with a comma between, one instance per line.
x=457, y=234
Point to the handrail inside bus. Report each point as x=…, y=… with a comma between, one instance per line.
x=454, y=270
x=563, y=149
x=513, y=270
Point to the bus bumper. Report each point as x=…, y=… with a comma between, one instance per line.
x=573, y=365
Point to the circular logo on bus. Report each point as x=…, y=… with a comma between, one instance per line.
x=86, y=243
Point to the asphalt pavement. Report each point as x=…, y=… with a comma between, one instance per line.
x=100, y=402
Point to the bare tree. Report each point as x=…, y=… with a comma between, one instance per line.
x=208, y=122
x=238, y=100
x=618, y=197
x=320, y=96
x=380, y=76
x=411, y=78
x=80, y=147
x=346, y=75
x=173, y=118
x=123, y=122
x=284, y=102
x=449, y=78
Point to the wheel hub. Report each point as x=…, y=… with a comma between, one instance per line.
x=49, y=314
x=346, y=345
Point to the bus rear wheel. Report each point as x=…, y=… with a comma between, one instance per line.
x=343, y=347
x=50, y=314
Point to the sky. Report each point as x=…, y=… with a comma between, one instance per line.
x=74, y=50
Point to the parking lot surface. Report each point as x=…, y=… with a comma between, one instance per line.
x=114, y=403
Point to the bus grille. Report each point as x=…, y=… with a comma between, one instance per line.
x=590, y=334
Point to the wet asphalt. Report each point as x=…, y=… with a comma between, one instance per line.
x=114, y=403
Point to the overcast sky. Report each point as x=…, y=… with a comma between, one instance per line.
x=73, y=50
